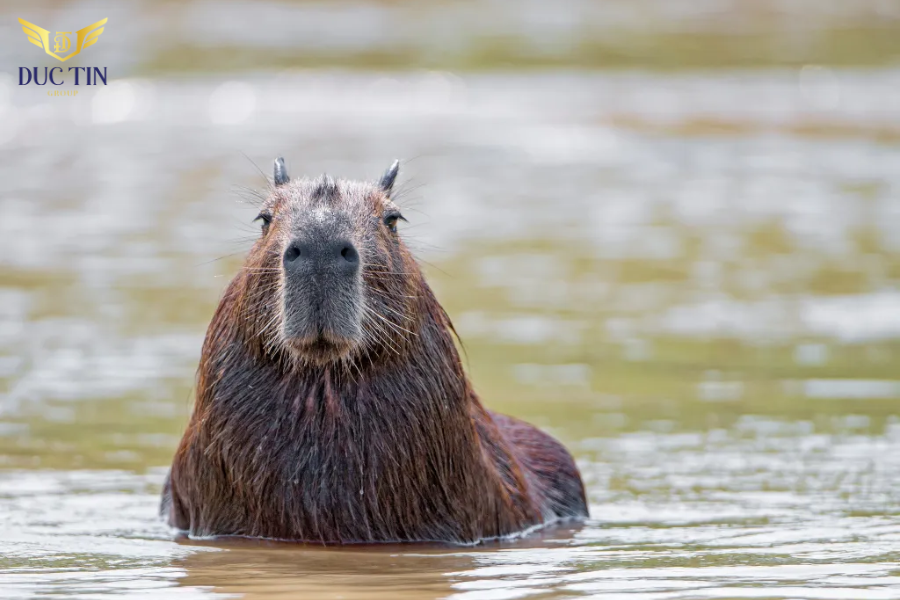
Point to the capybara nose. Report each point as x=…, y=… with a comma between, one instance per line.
x=331, y=256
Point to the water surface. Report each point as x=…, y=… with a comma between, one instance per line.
x=692, y=280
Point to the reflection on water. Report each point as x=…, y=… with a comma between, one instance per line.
x=690, y=279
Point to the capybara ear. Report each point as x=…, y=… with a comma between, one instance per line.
x=387, y=180
x=281, y=174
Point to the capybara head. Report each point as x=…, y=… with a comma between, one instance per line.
x=329, y=278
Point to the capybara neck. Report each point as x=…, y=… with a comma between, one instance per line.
x=347, y=417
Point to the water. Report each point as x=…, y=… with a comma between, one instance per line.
x=690, y=279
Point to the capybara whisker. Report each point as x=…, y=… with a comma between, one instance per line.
x=391, y=325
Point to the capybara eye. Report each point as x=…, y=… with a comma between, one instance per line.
x=266, y=219
x=391, y=219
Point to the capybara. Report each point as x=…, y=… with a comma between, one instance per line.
x=331, y=402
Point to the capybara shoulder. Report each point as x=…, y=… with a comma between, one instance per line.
x=556, y=481
x=331, y=403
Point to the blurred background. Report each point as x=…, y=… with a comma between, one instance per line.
x=668, y=232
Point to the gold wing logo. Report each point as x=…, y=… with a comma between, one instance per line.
x=62, y=44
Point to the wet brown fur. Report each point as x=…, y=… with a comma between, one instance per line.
x=386, y=443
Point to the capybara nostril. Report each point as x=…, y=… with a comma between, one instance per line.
x=349, y=254
x=291, y=254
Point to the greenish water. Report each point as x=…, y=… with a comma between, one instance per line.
x=693, y=280
x=198, y=37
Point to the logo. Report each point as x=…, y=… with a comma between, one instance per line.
x=62, y=49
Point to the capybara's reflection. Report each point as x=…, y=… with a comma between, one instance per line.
x=257, y=569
